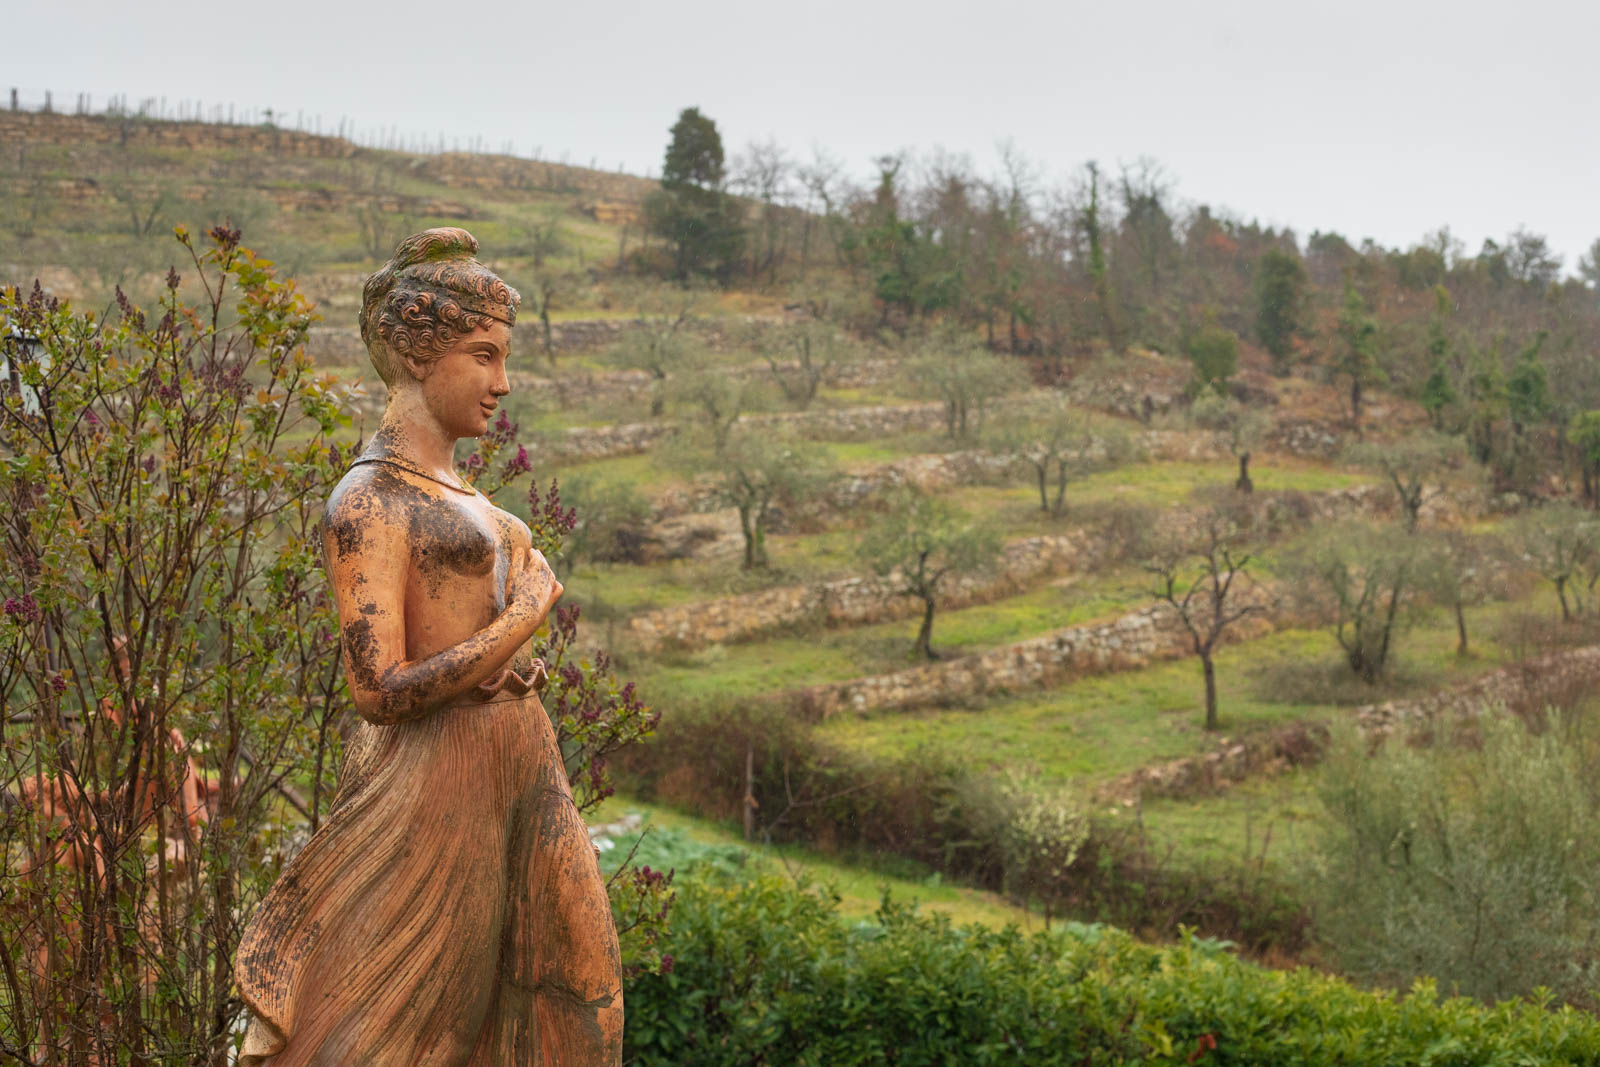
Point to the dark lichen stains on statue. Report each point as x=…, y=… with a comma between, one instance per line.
x=454, y=831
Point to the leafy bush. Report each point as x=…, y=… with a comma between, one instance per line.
x=764, y=974
x=169, y=655
x=942, y=814
x=1480, y=866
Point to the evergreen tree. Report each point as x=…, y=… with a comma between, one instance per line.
x=1214, y=351
x=1280, y=305
x=1438, y=392
x=910, y=273
x=692, y=210
x=1099, y=272
x=1486, y=400
x=1358, y=355
x=1528, y=389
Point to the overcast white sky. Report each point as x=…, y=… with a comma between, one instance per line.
x=1375, y=118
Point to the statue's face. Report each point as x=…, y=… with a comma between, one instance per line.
x=463, y=387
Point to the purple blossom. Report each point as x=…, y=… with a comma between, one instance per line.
x=58, y=683
x=24, y=608
x=667, y=963
x=519, y=464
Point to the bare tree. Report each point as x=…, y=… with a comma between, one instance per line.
x=1196, y=580
x=764, y=173
x=826, y=194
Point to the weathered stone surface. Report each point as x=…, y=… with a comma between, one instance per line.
x=1547, y=679
x=1130, y=642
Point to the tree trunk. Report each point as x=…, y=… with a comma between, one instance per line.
x=749, y=791
x=1044, y=489
x=1561, y=594
x=1211, y=690
x=748, y=530
x=1461, y=632
x=1355, y=402
x=924, y=647
x=1060, y=506
x=1243, y=483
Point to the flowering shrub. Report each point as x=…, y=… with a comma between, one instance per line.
x=161, y=480
x=169, y=658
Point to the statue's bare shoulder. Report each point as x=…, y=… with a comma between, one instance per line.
x=369, y=508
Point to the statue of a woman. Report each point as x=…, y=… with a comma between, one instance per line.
x=450, y=911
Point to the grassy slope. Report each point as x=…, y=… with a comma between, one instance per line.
x=1091, y=729
x=860, y=885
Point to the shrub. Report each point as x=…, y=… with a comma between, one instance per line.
x=1214, y=351
x=169, y=658
x=1480, y=865
x=763, y=973
x=941, y=813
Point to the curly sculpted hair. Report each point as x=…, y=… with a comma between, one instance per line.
x=428, y=296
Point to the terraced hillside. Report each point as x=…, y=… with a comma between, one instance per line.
x=794, y=711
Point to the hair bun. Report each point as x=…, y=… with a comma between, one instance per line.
x=443, y=242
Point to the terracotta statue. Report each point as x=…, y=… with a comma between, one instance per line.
x=450, y=911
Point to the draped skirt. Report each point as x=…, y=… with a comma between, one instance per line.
x=449, y=912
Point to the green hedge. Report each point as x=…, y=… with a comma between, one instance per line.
x=764, y=974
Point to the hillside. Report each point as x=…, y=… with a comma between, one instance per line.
x=794, y=706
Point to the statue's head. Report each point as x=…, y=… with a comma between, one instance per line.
x=426, y=299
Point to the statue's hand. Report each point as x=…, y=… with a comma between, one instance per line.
x=534, y=588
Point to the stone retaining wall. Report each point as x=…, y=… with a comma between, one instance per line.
x=1545, y=680
x=861, y=600
x=1131, y=642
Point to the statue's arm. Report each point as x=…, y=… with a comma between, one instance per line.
x=367, y=563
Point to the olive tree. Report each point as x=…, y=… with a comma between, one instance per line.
x=920, y=543
x=1369, y=580
x=1058, y=445
x=1479, y=864
x=966, y=377
x=755, y=471
x=1412, y=465
x=800, y=356
x=1562, y=543
x=659, y=342
x=1243, y=427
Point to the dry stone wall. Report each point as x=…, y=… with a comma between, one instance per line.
x=862, y=600
x=1546, y=680
x=1130, y=642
